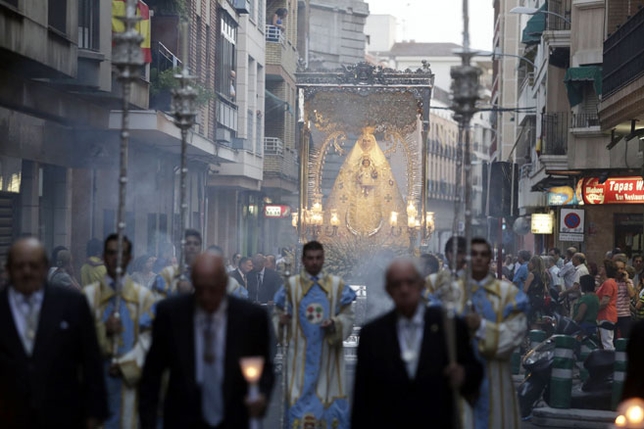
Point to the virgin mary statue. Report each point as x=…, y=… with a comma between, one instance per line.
x=365, y=193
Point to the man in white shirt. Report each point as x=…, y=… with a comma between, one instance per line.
x=567, y=273
x=50, y=364
x=403, y=373
x=556, y=282
x=579, y=263
x=199, y=339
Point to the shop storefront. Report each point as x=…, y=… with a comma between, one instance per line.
x=612, y=214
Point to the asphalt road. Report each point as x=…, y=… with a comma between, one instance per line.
x=272, y=420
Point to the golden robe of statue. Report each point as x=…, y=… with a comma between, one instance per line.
x=365, y=192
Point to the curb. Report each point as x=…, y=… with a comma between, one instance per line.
x=573, y=418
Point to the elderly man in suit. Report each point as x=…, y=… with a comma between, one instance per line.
x=263, y=282
x=404, y=376
x=200, y=339
x=50, y=365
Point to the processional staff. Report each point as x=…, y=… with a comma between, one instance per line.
x=465, y=88
x=128, y=58
x=184, y=113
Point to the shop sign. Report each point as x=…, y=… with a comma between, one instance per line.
x=619, y=190
x=560, y=196
x=541, y=223
x=277, y=211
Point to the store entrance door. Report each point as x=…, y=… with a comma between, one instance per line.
x=628, y=233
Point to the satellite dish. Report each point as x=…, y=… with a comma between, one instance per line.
x=521, y=226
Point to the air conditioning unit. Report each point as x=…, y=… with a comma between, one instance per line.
x=242, y=6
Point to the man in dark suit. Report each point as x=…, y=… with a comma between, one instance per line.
x=263, y=283
x=50, y=364
x=200, y=339
x=403, y=376
x=241, y=273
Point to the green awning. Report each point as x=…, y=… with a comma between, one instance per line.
x=534, y=27
x=577, y=77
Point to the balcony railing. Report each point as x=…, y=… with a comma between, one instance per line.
x=584, y=120
x=560, y=7
x=274, y=34
x=624, y=55
x=164, y=59
x=279, y=160
x=273, y=146
x=554, y=128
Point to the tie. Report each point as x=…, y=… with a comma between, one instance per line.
x=211, y=394
x=259, y=285
x=31, y=323
x=315, y=279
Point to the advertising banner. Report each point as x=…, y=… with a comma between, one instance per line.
x=618, y=190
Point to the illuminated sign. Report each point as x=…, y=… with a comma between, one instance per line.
x=619, y=190
x=560, y=196
x=275, y=211
x=542, y=223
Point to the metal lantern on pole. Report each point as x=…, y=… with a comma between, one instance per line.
x=465, y=89
x=184, y=113
x=128, y=59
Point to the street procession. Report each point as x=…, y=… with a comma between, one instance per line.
x=321, y=214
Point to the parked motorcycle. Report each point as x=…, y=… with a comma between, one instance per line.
x=595, y=391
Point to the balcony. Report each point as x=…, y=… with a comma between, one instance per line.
x=274, y=35
x=273, y=146
x=584, y=120
x=554, y=129
x=554, y=22
x=281, y=167
x=624, y=55
x=227, y=114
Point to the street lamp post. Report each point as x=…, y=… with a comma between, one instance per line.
x=465, y=90
x=524, y=10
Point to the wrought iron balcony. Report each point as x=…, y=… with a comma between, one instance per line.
x=584, y=120
x=558, y=7
x=554, y=129
x=624, y=55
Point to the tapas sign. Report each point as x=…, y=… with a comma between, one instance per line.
x=618, y=190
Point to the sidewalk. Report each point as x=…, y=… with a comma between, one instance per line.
x=573, y=418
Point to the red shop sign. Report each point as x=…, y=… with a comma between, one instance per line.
x=277, y=211
x=618, y=190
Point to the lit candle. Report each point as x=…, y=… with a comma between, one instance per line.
x=411, y=221
x=411, y=210
x=393, y=220
x=335, y=221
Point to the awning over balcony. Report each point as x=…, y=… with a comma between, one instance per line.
x=577, y=77
x=273, y=102
x=534, y=27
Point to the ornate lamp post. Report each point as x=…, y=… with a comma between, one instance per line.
x=465, y=89
x=128, y=59
x=184, y=113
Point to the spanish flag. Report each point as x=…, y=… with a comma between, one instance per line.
x=143, y=26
